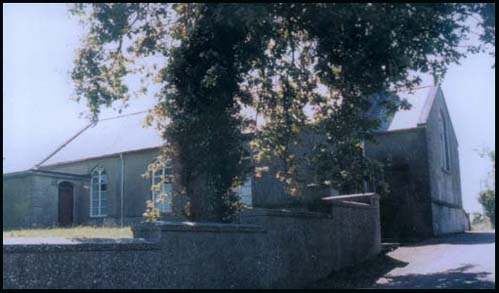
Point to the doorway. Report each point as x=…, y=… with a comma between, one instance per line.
x=394, y=212
x=65, y=204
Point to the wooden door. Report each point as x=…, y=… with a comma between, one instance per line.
x=65, y=204
x=393, y=210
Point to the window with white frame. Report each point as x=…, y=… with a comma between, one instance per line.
x=244, y=192
x=165, y=189
x=444, y=143
x=98, y=193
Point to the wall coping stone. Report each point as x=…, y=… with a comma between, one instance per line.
x=259, y=212
x=351, y=197
x=351, y=200
x=60, y=244
x=352, y=204
x=187, y=226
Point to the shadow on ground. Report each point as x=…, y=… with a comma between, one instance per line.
x=366, y=274
x=363, y=275
x=467, y=238
x=451, y=279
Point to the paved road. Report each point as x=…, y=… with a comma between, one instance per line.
x=457, y=261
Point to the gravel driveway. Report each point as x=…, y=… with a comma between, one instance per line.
x=456, y=261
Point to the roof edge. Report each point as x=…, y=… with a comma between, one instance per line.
x=123, y=115
x=385, y=132
x=45, y=173
x=9, y=174
x=63, y=145
x=100, y=157
x=80, y=132
x=430, y=98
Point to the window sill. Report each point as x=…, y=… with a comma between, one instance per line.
x=98, y=216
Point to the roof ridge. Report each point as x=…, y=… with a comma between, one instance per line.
x=416, y=88
x=121, y=116
x=82, y=132
x=63, y=145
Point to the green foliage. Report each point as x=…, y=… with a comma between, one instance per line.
x=488, y=24
x=152, y=213
x=488, y=200
x=477, y=219
x=278, y=59
x=487, y=197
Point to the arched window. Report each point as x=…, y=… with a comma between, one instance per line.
x=98, y=193
x=444, y=142
x=165, y=188
x=244, y=192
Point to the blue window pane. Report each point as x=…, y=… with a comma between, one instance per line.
x=244, y=192
x=103, y=178
x=99, y=185
x=167, y=187
x=95, y=211
x=165, y=206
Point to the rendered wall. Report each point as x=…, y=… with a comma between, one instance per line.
x=448, y=219
x=136, y=189
x=269, y=192
x=31, y=200
x=406, y=210
x=445, y=185
x=16, y=201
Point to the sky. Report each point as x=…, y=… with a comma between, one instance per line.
x=39, y=44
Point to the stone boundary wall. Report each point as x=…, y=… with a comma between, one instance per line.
x=268, y=249
x=78, y=263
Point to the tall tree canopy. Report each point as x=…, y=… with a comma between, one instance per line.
x=278, y=59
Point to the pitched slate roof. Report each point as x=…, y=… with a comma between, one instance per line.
x=108, y=136
x=125, y=133
x=421, y=100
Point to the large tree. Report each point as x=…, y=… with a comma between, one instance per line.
x=278, y=59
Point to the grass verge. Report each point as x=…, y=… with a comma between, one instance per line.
x=70, y=232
